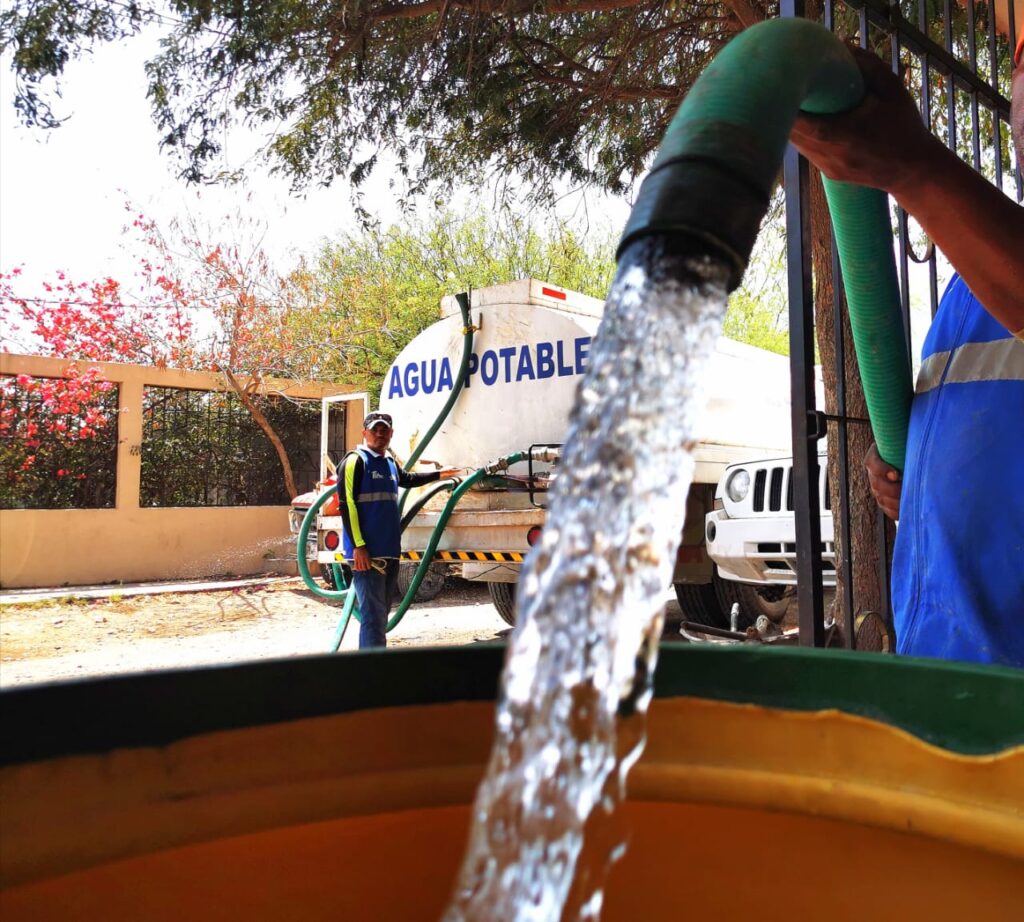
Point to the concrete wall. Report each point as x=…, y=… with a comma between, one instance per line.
x=56, y=547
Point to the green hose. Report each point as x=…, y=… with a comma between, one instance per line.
x=861, y=225
x=435, y=537
x=720, y=159
x=300, y=553
x=460, y=379
x=347, y=595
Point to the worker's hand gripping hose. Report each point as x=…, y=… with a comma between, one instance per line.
x=719, y=162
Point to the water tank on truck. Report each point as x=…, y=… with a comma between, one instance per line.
x=531, y=349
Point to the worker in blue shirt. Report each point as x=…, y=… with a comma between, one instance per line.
x=368, y=485
x=958, y=567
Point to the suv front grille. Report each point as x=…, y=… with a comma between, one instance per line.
x=779, y=481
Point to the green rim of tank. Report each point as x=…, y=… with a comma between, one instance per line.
x=965, y=708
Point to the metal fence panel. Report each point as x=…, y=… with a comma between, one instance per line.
x=959, y=70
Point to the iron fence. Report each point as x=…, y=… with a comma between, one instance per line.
x=204, y=448
x=958, y=66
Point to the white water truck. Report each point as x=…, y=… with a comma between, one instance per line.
x=529, y=350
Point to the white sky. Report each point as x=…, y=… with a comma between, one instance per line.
x=63, y=191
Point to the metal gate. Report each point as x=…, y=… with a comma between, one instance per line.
x=959, y=66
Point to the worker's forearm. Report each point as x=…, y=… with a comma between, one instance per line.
x=409, y=480
x=978, y=228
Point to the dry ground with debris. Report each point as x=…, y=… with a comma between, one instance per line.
x=65, y=638
x=59, y=639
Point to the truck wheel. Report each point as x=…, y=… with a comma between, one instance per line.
x=770, y=601
x=432, y=583
x=503, y=597
x=699, y=603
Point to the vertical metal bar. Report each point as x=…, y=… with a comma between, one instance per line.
x=902, y=222
x=844, y=450
x=926, y=72
x=947, y=37
x=801, y=363
x=884, y=570
x=1019, y=170
x=972, y=55
x=994, y=78
x=933, y=283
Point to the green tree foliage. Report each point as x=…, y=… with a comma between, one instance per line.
x=558, y=88
x=376, y=289
x=539, y=89
x=758, y=311
x=751, y=321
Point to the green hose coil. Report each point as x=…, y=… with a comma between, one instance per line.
x=720, y=159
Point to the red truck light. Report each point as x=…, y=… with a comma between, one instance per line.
x=332, y=540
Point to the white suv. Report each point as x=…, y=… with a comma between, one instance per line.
x=751, y=533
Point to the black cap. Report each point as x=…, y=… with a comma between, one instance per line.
x=375, y=418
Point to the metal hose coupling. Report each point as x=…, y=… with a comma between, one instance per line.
x=712, y=179
x=546, y=455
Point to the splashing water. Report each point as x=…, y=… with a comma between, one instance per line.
x=577, y=677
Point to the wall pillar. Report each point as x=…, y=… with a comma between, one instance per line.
x=129, y=444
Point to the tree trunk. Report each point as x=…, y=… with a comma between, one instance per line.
x=245, y=395
x=864, y=550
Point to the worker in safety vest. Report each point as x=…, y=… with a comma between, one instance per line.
x=368, y=483
x=958, y=567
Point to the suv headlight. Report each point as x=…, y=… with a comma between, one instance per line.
x=738, y=485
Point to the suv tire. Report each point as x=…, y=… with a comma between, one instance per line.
x=700, y=604
x=770, y=601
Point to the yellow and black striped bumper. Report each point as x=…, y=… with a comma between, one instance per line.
x=499, y=556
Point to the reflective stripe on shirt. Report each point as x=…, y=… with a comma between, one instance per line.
x=349, y=492
x=376, y=497
x=999, y=360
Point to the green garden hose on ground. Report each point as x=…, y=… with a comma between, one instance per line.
x=714, y=173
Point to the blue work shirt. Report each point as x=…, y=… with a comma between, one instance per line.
x=958, y=568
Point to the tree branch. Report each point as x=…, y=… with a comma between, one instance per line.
x=245, y=395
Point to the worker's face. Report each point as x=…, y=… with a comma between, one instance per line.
x=378, y=438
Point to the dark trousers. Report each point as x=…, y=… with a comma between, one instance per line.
x=375, y=593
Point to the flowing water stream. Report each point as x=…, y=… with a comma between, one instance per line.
x=571, y=717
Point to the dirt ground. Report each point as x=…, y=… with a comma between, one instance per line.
x=74, y=637
x=55, y=639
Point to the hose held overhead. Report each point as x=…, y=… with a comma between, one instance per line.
x=714, y=173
